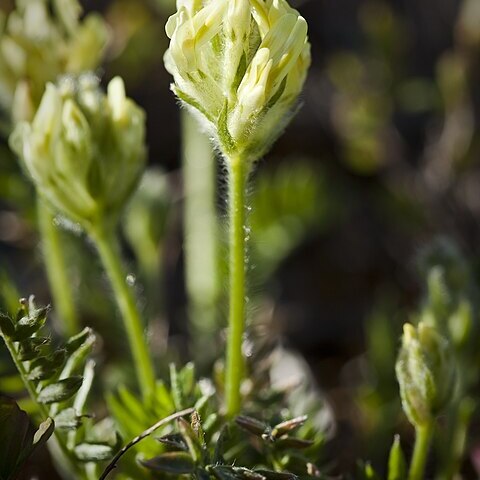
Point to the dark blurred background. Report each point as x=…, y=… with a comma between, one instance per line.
x=389, y=128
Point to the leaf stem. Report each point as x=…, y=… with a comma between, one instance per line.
x=235, y=367
x=56, y=269
x=109, y=252
x=420, y=452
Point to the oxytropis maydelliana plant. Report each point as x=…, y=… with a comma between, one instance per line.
x=426, y=374
x=239, y=66
x=85, y=152
x=41, y=40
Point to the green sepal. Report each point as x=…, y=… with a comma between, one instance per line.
x=60, y=391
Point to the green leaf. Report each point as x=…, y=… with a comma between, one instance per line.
x=288, y=426
x=223, y=472
x=103, y=432
x=60, y=391
x=77, y=341
x=252, y=425
x=293, y=443
x=223, y=438
x=89, y=452
x=44, y=368
x=68, y=419
x=271, y=475
x=397, y=466
x=176, y=463
x=44, y=432
x=226, y=472
x=367, y=472
x=78, y=348
x=187, y=379
x=176, y=387
x=6, y=325
x=17, y=437
x=191, y=438
x=29, y=349
x=29, y=324
x=174, y=441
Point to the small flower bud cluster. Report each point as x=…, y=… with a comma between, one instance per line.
x=40, y=41
x=425, y=372
x=240, y=64
x=84, y=150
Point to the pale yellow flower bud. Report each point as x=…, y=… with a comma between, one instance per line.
x=426, y=373
x=240, y=65
x=84, y=150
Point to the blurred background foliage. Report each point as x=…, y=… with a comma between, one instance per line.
x=381, y=159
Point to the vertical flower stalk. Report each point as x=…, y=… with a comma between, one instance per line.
x=85, y=152
x=56, y=268
x=239, y=67
x=235, y=364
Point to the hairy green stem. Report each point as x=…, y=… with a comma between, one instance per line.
x=56, y=268
x=109, y=252
x=420, y=452
x=235, y=367
x=201, y=233
x=67, y=460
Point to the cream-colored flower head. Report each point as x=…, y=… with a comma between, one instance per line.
x=40, y=41
x=241, y=64
x=84, y=150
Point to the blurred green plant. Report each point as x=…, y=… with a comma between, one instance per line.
x=288, y=205
x=40, y=41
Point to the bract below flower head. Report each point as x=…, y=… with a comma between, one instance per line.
x=240, y=65
x=84, y=150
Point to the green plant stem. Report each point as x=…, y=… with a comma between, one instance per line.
x=56, y=268
x=109, y=252
x=420, y=452
x=201, y=234
x=67, y=460
x=235, y=367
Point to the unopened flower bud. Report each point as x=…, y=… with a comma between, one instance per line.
x=84, y=150
x=425, y=372
x=241, y=65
